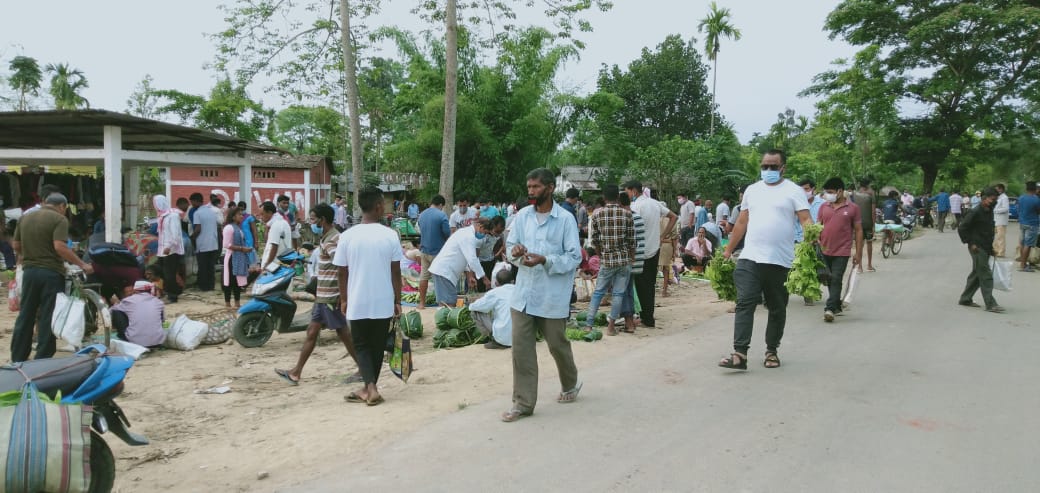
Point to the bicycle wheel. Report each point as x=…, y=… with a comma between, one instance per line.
x=885, y=250
x=897, y=246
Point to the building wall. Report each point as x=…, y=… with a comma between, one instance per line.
x=267, y=184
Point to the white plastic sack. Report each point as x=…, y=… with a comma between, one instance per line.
x=128, y=348
x=1002, y=274
x=851, y=289
x=68, y=322
x=185, y=334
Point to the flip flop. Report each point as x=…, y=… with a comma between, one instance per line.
x=353, y=398
x=285, y=376
x=514, y=414
x=375, y=402
x=570, y=395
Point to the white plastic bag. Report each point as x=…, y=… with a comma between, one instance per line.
x=1001, y=274
x=185, y=334
x=851, y=286
x=128, y=348
x=68, y=322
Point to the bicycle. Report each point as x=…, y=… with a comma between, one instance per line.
x=893, y=242
x=96, y=311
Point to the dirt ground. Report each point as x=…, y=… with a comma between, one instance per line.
x=265, y=434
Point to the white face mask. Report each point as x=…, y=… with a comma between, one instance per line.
x=830, y=197
x=809, y=194
x=682, y=201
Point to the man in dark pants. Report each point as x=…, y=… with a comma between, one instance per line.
x=842, y=229
x=652, y=212
x=976, y=230
x=766, y=217
x=206, y=227
x=40, y=242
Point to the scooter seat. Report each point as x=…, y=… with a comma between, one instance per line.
x=50, y=375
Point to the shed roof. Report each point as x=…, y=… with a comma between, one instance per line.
x=83, y=129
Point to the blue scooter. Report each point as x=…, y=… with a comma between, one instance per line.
x=271, y=308
x=88, y=377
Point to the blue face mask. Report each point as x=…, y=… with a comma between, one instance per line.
x=770, y=176
x=316, y=229
x=479, y=235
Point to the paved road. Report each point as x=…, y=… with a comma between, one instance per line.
x=908, y=392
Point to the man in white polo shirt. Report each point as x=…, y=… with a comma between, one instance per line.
x=279, y=235
x=652, y=212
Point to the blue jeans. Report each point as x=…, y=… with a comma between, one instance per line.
x=615, y=281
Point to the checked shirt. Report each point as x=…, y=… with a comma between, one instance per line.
x=613, y=235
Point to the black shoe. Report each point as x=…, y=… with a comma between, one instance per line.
x=494, y=345
x=969, y=303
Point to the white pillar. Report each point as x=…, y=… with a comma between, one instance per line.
x=132, y=197
x=245, y=185
x=113, y=139
x=169, y=187
x=307, y=195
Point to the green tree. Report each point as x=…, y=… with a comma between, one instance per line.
x=25, y=78
x=968, y=65
x=663, y=92
x=716, y=26
x=677, y=165
x=66, y=84
x=143, y=101
x=227, y=110
x=310, y=130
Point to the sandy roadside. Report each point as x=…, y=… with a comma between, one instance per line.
x=224, y=442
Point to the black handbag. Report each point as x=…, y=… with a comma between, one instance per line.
x=312, y=286
x=823, y=274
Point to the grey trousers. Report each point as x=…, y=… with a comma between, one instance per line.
x=756, y=281
x=525, y=357
x=981, y=277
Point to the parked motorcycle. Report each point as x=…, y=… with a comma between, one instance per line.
x=89, y=377
x=271, y=309
x=909, y=221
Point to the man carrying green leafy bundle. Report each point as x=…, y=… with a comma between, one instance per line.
x=841, y=222
x=765, y=218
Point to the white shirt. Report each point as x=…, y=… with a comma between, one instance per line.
x=170, y=226
x=497, y=303
x=278, y=234
x=956, y=201
x=458, y=220
x=652, y=212
x=686, y=213
x=367, y=250
x=1002, y=211
x=458, y=255
x=722, y=213
x=207, y=218
x=770, y=231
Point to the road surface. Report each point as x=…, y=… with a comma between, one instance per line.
x=906, y=392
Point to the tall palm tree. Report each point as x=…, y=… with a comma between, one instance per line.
x=716, y=25
x=451, y=74
x=353, y=105
x=66, y=83
x=26, y=78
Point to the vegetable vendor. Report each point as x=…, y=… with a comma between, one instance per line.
x=492, y=314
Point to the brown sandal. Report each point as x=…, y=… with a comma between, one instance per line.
x=772, y=361
x=735, y=361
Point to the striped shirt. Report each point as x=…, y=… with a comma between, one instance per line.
x=328, y=274
x=613, y=235
x=640, y=228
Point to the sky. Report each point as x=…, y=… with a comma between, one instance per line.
x=117, y=42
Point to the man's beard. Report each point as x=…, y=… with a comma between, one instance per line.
x=539, y=199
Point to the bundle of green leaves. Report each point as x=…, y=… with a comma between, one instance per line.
x=803, y=279
x=720, y=273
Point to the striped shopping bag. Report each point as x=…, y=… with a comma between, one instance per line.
x=46, y=444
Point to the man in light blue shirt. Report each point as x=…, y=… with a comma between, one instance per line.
x=413, y=211
x=543, y=243
x=814, y=209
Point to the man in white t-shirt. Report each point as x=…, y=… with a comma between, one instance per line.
x=279, y=235
x=686, y=211
x=722, y=217
x=463, y=215
x=458, y=256
x=765, y=219
x=652, y=212
x=369, y=259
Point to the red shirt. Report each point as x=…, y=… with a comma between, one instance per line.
x=839, y=227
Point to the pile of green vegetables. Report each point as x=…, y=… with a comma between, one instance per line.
x=720, y=273
x=413, y=298
x=456, y=328
x=599, y=321
x=803, y=279
x=411, y=324
x=574, y=333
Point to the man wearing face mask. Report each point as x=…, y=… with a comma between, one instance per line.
x=458, y=256
x=463, y=215
x=842, y=224
x=976, y=230
x=686, y=211
x=765, y=218
x=815, y=203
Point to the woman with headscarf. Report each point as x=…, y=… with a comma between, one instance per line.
x=170, y=246
x=236, y=257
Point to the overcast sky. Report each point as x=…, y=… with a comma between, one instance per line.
x=116, y=42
